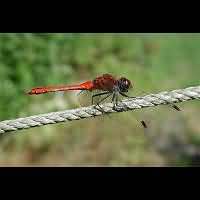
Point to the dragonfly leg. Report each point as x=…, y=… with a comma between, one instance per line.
x=99, y=94
x=113, y=97
x=125, y=95
x=117, y=95
x=109, y=94
x=115, y=101
x=80, y=92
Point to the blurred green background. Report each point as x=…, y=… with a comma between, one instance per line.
x=153, y=62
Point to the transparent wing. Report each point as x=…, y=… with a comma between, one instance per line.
x=84, y=98
x=87, y=98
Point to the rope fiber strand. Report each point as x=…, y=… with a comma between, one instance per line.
x=150, y=100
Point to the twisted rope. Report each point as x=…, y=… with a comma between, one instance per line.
x=150, y=100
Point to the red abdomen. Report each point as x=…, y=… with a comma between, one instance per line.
x=38, y=91
x=88, y=85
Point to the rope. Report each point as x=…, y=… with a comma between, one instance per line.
x=150, y=100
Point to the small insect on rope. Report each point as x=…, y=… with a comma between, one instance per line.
x=110, y=86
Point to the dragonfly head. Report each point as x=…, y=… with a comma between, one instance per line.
x=124, y=84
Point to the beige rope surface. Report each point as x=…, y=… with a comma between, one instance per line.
x=150, y=100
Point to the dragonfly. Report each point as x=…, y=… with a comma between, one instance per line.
x=107, y=84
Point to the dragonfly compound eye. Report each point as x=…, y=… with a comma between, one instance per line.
x=124, y=84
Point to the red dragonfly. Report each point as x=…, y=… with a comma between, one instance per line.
x=107, y=84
